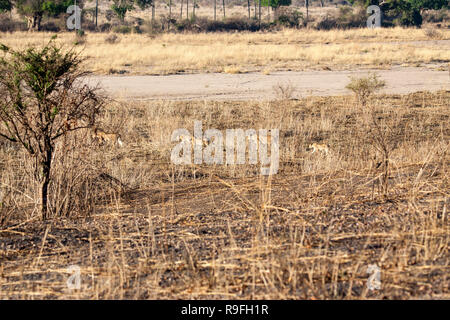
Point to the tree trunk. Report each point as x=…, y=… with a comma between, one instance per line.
x=254, y=2
x=223, y=6
x=193, y=9
x=45, y=165
x=187, y=9
x=307, y=10
x=153, y=12
x=215, y=9
x=181, y=10
x=96, y=13
x=259, y=9
x=248, y=5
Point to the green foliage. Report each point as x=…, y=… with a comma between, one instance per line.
x=144, y=4
x=54, y=8
x=275, y=3
x=47, y=7
x=40, y=93
x=5, y=6
x=404, y=12
x=363, y=3
x=121, y=7
x=39, y=69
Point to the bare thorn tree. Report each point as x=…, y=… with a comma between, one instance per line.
x=42, y=98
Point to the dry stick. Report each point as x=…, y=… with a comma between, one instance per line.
x=444, y=210
x=307, y=10
x=153, y=11
x=173, y=192
x=170, y=9
x=223, y=5
x=42, y=246
x=181, y=10
x=259, y=13
x=92, y=263
x=17, y=190
x=96, y=12
x=151, y=232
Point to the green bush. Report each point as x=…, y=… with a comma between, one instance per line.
x=403, y=12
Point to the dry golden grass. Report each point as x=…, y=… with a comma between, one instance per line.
x=160, y=231
x=284, y=50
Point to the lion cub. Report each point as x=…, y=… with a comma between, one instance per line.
x=102, y=137
x=319, y=147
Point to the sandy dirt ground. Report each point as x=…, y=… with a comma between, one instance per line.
x=258, y=86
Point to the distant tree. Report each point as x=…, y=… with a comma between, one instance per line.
x=34, y=10
x=121, y=7
x=409, y=12
x=405, y=12
x=5, y=6
x=275, y=4
x=145, y=4
x=42, y=99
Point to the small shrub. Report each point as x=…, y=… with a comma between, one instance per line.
x=105, y=27
x=9, y=25
x=364, y=87
x=328, y=22
x=89, y=25
x=288, y=17
x=351, y=17
x=112, y=39
x=435, y=16
x=122, y=29
x=346, y=18
x=80, y=37
x=109, y=15
x=50, y=27
x=284, y=91
x=432, y=33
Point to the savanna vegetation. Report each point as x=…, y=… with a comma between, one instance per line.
x=87, y=182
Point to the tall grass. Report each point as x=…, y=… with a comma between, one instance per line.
x=284, y=50
x=224, y=231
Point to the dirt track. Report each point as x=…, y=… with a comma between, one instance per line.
x=257, y=86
